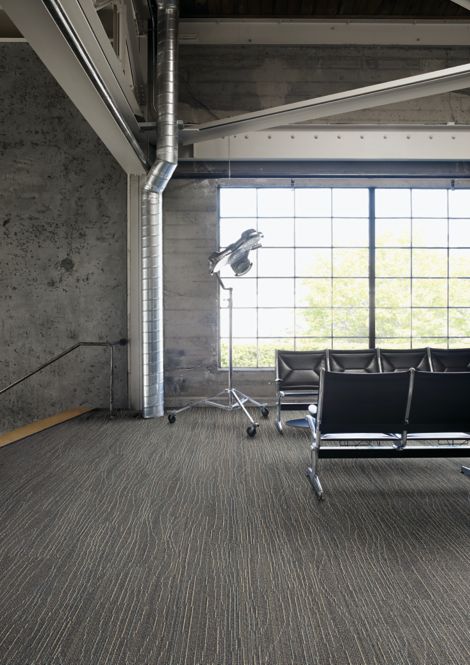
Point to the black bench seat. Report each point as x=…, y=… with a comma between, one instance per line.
x=395, y=408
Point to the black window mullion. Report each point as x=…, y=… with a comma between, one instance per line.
x=372, y=332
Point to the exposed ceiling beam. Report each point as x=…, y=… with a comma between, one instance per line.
x=317, y=32
x=412, y=87
x=462, y=3
x=70, y=57
x=450, y=173
x=341, y=142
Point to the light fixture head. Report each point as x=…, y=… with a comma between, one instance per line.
x=236, y=254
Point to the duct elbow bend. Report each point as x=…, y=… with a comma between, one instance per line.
x=159, y=176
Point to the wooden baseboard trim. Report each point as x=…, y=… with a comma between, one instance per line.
x=39, y=425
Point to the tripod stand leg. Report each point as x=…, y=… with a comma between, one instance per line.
x=245, y=398
x=242, y=406
x=209, y=401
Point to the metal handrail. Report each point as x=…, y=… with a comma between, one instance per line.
x=110, y=345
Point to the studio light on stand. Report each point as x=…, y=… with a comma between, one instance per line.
x=236, y=256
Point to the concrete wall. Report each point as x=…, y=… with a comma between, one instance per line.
x=62, y=247
x=221, y=81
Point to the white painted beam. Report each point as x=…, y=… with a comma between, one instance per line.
x=134, y=293
x=86, y=21
x=462, y=3
x=412, y=87
x=40, y=30
x=341, y=142
x=321, y=32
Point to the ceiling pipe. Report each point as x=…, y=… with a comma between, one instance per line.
x=399, y=90
x=151, y=207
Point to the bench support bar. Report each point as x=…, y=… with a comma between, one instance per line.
x=335, y=452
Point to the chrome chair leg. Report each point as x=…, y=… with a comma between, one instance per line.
x=279, y=426
x=312, y=471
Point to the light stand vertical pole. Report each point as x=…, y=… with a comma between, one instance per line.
x=230, y=338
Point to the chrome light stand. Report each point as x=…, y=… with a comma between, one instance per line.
x=229, y=399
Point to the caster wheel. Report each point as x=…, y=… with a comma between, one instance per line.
x=171, y=418
x=264, y=411
x=251, y=431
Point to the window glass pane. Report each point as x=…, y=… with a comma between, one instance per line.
x=350, y=202
x=393, y=233
x=459, y=233
x=392, y=293
x=459, y=322
x=459, y=343
x=276, y=292
x=350, y=322
x=277, y=232
x=244, y=323
x=351, y=232
x=276, y=202
x=237, y=201
x=244, y=353
x=459, y=292
x=313, y=262
x=392, y=322
x=350, y=344
x=430, y=232
x=429, y=262
x=267, y=349
x=459, y=262
x=313, y=232
x=392, y=262
x=429, y=322
x=435, y=342
x=312, y=343
x=350, y=292
x=429, y=292
x=459, y=203
x=429, y=202
x=315, y=322
x=392, y=203
x=275, y=262
x=313, y=292
x=350, y=262
x=244, y=292
x=276, y=322
x=231, y=229
x=313, y=202
x=393, y=342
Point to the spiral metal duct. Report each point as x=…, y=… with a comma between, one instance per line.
x=151, y=208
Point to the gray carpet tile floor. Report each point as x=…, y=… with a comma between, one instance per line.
x=132, y=542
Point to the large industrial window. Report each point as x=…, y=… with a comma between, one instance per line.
x=347, y=268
